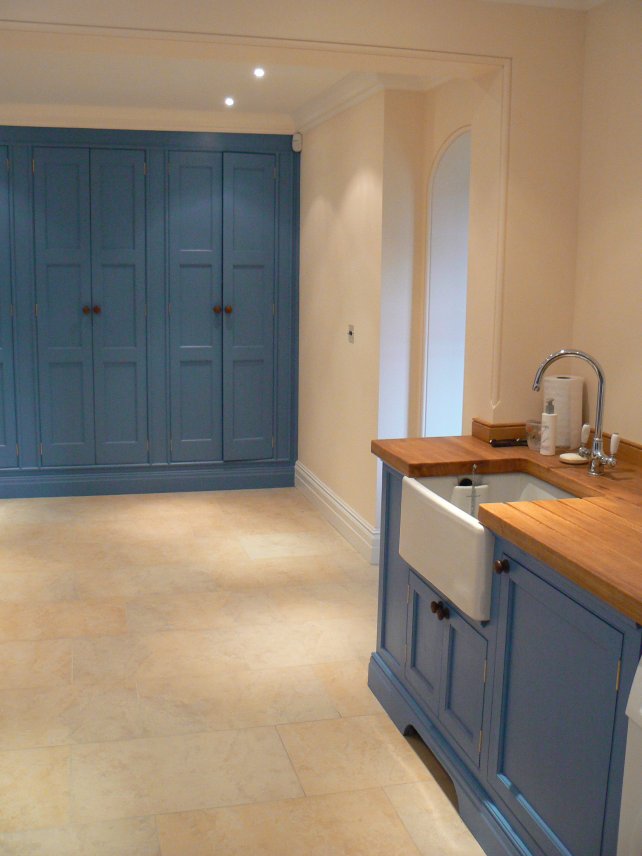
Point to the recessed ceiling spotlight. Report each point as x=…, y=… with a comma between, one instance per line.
x=229, y=102
x=259, y=72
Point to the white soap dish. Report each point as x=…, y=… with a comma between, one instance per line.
x=572, y=458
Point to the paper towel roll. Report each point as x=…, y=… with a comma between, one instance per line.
x=566, y=392
x=462, y=497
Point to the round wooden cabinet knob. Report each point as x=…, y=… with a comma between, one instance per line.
x=97, y=310
x=228, y=310
x=86, y=310
x=440, y=610
x=502, y=566
x=217, y=309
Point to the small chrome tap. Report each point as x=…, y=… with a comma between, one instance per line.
x=596, y=454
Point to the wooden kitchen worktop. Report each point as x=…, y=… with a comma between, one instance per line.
x=596, y=540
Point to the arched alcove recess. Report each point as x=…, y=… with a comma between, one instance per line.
x=446, y=284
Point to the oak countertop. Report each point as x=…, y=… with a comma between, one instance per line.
x=595, y=540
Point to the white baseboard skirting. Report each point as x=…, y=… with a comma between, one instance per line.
x=363, y=537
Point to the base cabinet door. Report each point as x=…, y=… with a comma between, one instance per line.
x=8, y=453
x=446, y=665
x=554, y=707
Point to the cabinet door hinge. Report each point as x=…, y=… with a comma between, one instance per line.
x=36, y=310
x=147, y=444
x=274, y=309
x=40, y=449
x=405, y=653
x=479, y=745
x=273, y=441
x=485, y=670
x=8, y=164
x=171, y=444
x=144, y=167
x=276, y=173
x=617, y=679
x=33, y=165
x=408, y=594
x=145, y=310
x=17, y=450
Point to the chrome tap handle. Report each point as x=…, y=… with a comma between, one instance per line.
x=614, y=445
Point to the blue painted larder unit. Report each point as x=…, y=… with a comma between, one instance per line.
x=8, y=439
x=526, y=711
x=148, y=291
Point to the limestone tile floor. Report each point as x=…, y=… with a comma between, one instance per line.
x=185, y=675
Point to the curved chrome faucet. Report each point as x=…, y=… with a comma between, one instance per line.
x=596, y=454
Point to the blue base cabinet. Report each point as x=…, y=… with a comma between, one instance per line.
x=148, y=311
x=525, y=711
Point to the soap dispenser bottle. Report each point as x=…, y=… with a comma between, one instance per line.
x=549, y=429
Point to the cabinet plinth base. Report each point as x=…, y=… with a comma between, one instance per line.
x=150, y=480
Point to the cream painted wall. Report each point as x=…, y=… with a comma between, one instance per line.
x=608, y=298
x=340, y=284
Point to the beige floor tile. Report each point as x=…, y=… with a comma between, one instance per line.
x=35, y=664
x=327, y=600
x=246, y=573
x=36, y=586
x=200, y=611
x=159, y=775
x=276, y=545
x=69, y=714
x=123, y=580
x=34, y=788
x=351, y=824
x=235, y=699
x=432, y=820
x=350, y=754
x=347, y=685
x=109, y=661
x=61, y=620
x=130, y=837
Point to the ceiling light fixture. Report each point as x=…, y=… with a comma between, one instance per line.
x=229, y=102
x=259, y=72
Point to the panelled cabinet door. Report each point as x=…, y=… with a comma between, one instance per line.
x=249, y=229
x=8, y=455
x=393, y=579
x=63, y=291
x=461, y=704
x=554, y=703
x=196, y=316
x=118, y=310
x=425, y=644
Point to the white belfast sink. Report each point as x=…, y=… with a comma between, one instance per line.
x=447, y=545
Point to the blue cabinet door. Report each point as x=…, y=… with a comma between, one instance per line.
x=118, y=294
x=425, y=639
x=554, y=705
x=249, y=230
x=196, y=329
x=463, y=679
x=63, y=291
x=8, y=454
x=393, y=579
